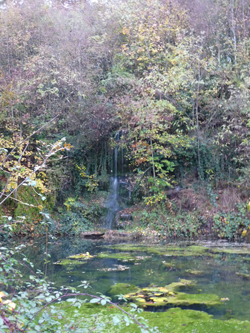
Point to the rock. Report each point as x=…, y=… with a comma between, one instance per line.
x=173, y=193
x=92, y=234
x=114, y=234
x=126, y=217
x=121, y=224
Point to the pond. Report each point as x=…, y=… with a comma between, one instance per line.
x=216, y=275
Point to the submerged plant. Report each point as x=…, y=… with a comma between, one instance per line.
x=33, y=304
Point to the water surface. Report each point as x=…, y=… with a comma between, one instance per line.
x=217, y=271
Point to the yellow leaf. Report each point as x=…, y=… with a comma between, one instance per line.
x=244, y=233
x=40, y=207
x=11, y=305
x=2, y=294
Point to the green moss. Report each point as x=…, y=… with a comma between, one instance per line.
x=245, y=276
x=175, y=286
x=66, y=262
x=232, y=250
x=116, y=268
x=197, y=248
x=31, y=213
x=120, y=256
x=194, y=272
x=168, y=264
x=195, y=299
x=127, y=247
x=170, y=295
x=174, y=320
x=122, y=289
x=83, y=256
x=164, y=250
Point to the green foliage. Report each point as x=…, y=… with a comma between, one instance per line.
x=31, y=214
x=80, y=216
x=90, y=181
x=73, y=223
x=37, y=306
x=171, y=225
x=175, y=83
x=231, y=225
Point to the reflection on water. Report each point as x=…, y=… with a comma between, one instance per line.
x=215, y=273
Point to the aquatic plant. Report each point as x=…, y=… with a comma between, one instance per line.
x=34, y=305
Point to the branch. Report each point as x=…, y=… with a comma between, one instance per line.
x=8, y=180
x=140, y=180
x=39, y=129
x=36, y=169
x=83, y=294
x=24, y=203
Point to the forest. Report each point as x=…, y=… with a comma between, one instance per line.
x=170, y=77
x=125, y=115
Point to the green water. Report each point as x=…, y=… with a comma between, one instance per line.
x=214, y=271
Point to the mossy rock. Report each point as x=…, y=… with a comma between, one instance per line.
x=122, y=289
x=174, y=320
x=66, y=262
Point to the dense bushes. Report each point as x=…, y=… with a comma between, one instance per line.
x=169, y=79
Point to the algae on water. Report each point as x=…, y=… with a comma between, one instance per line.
x=119, y=256
x=173, y=320
x=170, y=295
x=66, y=262
x=167, y=250
x=122, y=289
